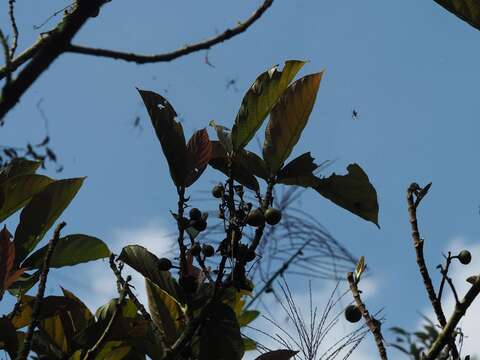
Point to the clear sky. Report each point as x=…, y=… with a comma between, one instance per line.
x=408, y=67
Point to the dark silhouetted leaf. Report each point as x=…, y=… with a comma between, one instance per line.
x=18, y=166
x=70, y=250
x=169, y=133
x=41, y=212
x=240, y=172
x=278, y=355
x=259, y=100
x=288, y=119
x=81, y=317
x=467, y=10
x=352, y=191
x=298, y=168
x=18, y=190
x=8, y=337
x=199, y=150
x=146, y=264
x=166, y=312
x=220, y=337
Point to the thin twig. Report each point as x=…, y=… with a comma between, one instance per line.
x=7, y=57
x=415, y=189
x=203, y=45
x=460, y=309
x=118, y=307
x=373, y=324
x=23, y=57
x=159, y=334
x=23, y=353
x=13, y=22
x=54, y=45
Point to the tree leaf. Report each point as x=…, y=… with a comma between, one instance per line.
x=24, y=283
x=18, y=166
x=166, y=312
x=288, y=119
x=300, y=167
x=467, y=10
x=223, y=134
x=18, y=190
x=259, y=100
x=8, y=337
x=249, y=344
x=352, y=191
x=247, y=316
x=70, y=250
x=220, y=336
x=54, y=328
x=199, y=150
x=41, y=212
x=359, y=269
x=278, y=355
x=146, y=264
x=240, y=172
x=169, y=133
x=81, y=316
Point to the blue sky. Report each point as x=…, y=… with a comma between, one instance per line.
x=409, y=68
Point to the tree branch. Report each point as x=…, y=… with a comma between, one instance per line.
x=373, y=324
x=415, y=189
x=13, y=22
x=23, y=353
x=54, y=45
x=460, y=309
x=203, y=45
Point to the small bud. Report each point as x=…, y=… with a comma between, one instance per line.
x=164, y=264
x=353, y=314
x=195, y=214
x=464, y=257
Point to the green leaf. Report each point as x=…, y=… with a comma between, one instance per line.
x=18, y=190
x=249, y=344
x=297, y=169
x=167, y=313
x=352, y=191
x=247, y=317
x=467, y=10
x=359, y=269
x=24, y=283
x=70, y=250
x=169, y=133
x=105, y=312
x=223, y=134
x=41, y=212
x=199, y=150
x=146, y=264
x=259, y=100
x=56, y=331
x=240, y=172
x=18, y=166
x=81, y=317
x=278, y=355
x=288, y=119
x=220, y=337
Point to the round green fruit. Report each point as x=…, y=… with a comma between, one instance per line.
x=200, y=225
x=353, y=314
x=256, y=218
x=208, y=250
x=464, y=257
x=217, y=191
x=195, y=214
x=273, y=216
x=195, y=249
x=164, y=264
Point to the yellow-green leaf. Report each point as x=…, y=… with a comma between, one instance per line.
x=288, y=119
x=41, y=212
x=18, y=166
x=259, y=100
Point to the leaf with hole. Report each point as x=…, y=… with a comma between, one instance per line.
x=169, y=133
x=259, y=100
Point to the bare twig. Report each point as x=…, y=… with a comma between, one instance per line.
x=373, y=324
x=23, y=353
x=23, y=57
x=54, y=45
x=159, y=334
x=203, y=45
x=415, y=190
x=460, y=309
x=13, y=22
x=121, y=300
x=7, y=57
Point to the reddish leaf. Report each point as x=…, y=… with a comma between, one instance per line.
x=7, y=261
x=199, y=150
